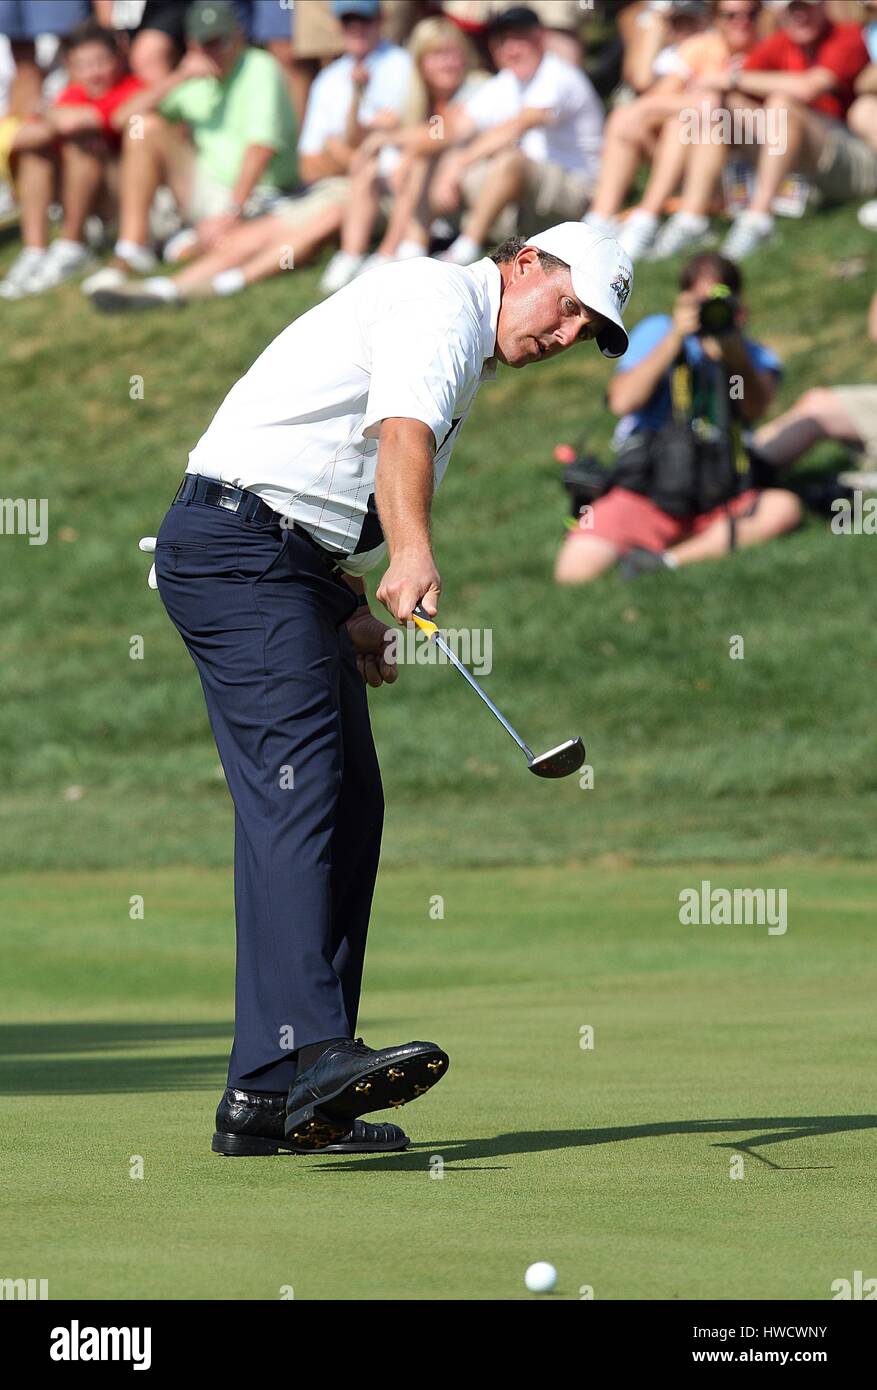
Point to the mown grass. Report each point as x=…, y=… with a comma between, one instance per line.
x=693, y=753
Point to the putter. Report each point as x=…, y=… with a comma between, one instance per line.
x=557, y=762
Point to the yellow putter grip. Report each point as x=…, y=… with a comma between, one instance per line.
x=424, y=621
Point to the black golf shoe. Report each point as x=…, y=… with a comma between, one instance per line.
x=349, y=1080
x=250, y=1124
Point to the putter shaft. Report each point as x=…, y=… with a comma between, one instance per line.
x=443, y=646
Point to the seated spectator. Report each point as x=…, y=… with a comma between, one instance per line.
x=22, y=21
x=390, y=162
x=653, y=39
x=72, y=148
x=806, y=72
x=847, y=414
x=674, y=369
x=236, y=157
x=528, y=143
x=361, y=92
x=648, y=128
x=862, y=115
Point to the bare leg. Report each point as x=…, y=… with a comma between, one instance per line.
x=818, y=414
x=261, y=248
x=623, y=151
x=159, y=156
x=83, y=165
x=777, y=511
x=27, y=84
x=862, y=118
x=504, y=184
x=36, y=177
x=804, y=140
x=582, y=558
x=404, y=208
x=668, y=167
x=363, y=210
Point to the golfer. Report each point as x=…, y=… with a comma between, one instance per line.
x=322, y=461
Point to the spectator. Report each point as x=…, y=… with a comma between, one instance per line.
x=529, y=143
x=317, y=40
x=630, y=525
x=234, y=103
x=21, y=21
x=362, y=92
x=862, y=115
x=806, y=71
x=654, y=37
x=650, y=127
x=75, y=145
x=847, y=414
x=392, y=161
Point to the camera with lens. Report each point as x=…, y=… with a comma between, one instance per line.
x=718, y=312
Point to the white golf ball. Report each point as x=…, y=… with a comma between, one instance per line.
x=540, y=1277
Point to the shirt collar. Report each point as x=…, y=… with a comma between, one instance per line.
x=487, y=275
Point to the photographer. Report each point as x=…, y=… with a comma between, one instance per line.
x=687, y=390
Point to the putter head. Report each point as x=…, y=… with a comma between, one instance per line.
x=560, y=761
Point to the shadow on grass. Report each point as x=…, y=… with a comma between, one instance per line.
x=60, y=1058
x=458, y=1153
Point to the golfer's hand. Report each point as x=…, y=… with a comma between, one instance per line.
x=411, y=579
x=147, y=544
x=371, y=638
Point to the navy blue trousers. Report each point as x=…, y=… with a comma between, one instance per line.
x=263, y=620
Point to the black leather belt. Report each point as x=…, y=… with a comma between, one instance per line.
x=247, y=505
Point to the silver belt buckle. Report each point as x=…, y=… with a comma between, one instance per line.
x=228, y=500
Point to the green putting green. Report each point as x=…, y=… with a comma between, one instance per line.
x=716, y=1049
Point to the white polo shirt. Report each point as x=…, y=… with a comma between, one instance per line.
x=389, y=78
x=414, y=338
x=573, y=135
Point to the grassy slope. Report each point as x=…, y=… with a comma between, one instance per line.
x=613, y=1163
x=694, y=754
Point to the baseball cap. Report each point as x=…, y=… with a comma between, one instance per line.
x=363, y=9
x=211, y=19
x=602, y=275
x=516, y=17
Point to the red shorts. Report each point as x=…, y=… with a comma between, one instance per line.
x=626, y=519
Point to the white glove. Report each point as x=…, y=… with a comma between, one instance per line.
x=147, y=543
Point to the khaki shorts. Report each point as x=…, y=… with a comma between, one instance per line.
x=553, y=194
x=207, y=198
x=295, y=208
x=847, y=166
x=860, y=403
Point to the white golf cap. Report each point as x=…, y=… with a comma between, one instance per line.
x=602, y=275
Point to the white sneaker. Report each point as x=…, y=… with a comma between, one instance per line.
x=62, y=261
x=606, y=226
x=180, y=245
x=637, y=233
x=373, y=261
x=340, y=271
x=25, y=265
x=868, y=215
x=463, y=251
x=681, y=232
x=109, y=277
x=750, y=230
